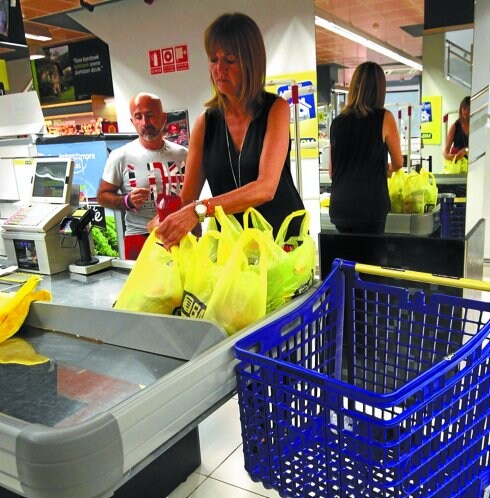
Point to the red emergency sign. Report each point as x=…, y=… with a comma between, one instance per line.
x=169, y=59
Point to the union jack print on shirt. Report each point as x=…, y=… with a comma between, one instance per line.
x=171, y=176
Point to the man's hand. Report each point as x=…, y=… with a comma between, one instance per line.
x=138, y=196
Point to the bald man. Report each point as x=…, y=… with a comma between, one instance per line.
x=137, y=171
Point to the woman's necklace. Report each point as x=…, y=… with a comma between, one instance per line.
x=239, y=165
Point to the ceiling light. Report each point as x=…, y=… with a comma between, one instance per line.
x=36, y=52
x=12, y=44
x=35, y=31
x=338, y=27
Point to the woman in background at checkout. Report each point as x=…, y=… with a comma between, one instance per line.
x=360, y=138
x=458, y=134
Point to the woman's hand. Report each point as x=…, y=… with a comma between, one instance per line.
x=153, y=223
x=173, y=228
x=461, y=153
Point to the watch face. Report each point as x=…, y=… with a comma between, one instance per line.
x=201, y=209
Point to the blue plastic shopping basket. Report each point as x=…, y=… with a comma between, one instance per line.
x=453, y=217
x=367, y=390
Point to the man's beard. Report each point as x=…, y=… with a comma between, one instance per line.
x=150, y=133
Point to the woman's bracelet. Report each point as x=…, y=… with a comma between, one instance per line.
x=128, y=207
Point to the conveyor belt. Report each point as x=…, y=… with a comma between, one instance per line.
x=82, y=379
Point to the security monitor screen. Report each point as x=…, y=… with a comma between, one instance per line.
x=49, y=179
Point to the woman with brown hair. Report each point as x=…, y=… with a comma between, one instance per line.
x=240, y=145
x=361, y=137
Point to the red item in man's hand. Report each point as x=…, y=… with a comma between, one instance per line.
x=167, y=204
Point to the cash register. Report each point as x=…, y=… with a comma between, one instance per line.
x=31, y=233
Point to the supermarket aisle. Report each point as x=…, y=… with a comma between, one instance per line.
x=221, y=474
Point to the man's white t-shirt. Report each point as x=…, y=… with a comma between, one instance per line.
x=132, y=165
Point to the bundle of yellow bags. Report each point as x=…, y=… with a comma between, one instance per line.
x=234, y=276
x=14, y=307
x=412, y=193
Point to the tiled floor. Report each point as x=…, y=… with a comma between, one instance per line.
x=222, y=474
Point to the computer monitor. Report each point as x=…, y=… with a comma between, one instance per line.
x=52, y=180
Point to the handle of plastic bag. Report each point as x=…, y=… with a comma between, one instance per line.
x=429, y=174
x=253, y=218
x=305, y=225
x=227, y=221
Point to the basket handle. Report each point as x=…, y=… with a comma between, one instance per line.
x=463, y=283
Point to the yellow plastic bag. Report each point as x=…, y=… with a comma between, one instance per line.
x=254, y=219
x=14, y=307
x=455, y=166
x=239, y=297
x=154, y=284
x=19, y=351
x=431, y=189
x=395, y=190
x=464, y=166
x=414, y=194
x=202, y=273
x=292, y=264
x=186, y=253
x=230, y=230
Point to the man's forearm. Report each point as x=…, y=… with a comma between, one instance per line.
x=111, y=200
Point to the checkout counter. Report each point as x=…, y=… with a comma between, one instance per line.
x=410, y=242
x=115, y=411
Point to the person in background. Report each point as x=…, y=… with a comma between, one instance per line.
x=360, y=137
x=458, y=134
x=241, y=143
x=130, y=170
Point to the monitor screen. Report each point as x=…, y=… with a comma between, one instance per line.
x=52, y=180
x=4, y=19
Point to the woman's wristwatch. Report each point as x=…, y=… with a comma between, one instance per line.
x=202, y=209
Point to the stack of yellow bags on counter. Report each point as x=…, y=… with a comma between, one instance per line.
x=233, y=276
x=413, y=192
